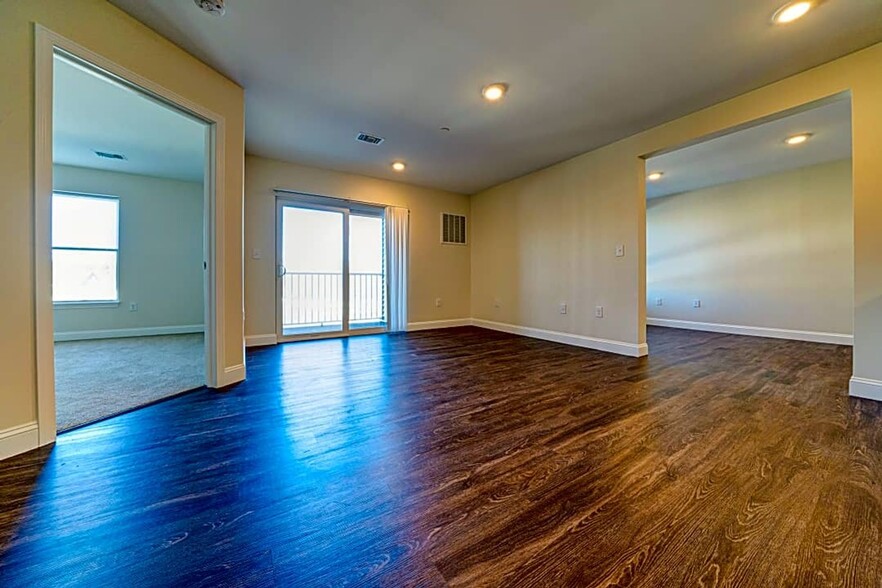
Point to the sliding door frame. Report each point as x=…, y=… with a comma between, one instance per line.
x=346, y=208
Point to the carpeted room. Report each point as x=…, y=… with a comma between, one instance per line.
x=127, y=238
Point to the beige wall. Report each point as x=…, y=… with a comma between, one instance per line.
x=160, y=251
x=774, y=251
x=100, y=27
x=436, y=270
x=562, y=224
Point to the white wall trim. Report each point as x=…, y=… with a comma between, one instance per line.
x=261, y=340
x=865, y=388
x=810, y=336
x=608, y=345
x=232, y=375
x=136, y=332
x=19, y=439
x=445, y=324
x=46, y=41
x=619, y=347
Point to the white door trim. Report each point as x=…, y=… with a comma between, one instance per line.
x=45, y=45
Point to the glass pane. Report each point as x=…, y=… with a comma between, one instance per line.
x=83, y=276
x=312, y=255
x=367, y=280
x=85, y=222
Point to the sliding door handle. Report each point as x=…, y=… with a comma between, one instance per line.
x=282, y=271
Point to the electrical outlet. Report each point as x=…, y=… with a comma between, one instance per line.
x=598, y=312
x=563, y=307
x=256, y=254
x=659, y=302
x=696, y=303
x=497, y=303
x=133, y=306
x=438, y=302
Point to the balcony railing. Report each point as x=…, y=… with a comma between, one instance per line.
x=315, y=300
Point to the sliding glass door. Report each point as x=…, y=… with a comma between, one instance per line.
x=332, y=272
x=367, y=272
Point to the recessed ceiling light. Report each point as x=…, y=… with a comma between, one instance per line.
x=798, y=139
x=494, y=92
x=655, y=176
x=792, y=11
x=398, y=166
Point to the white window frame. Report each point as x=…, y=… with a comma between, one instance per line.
x=90, y=303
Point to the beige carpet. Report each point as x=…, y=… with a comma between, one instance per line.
x=98, y=379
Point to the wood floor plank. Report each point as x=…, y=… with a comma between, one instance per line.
x=467, y=457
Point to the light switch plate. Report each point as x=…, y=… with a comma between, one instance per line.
x=620, y=251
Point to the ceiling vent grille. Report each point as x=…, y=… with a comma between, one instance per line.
x=453, y=229
x=369, y=139
x=107, y=155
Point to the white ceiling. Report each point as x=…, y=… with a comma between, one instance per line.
x=582, y=73
x=756, y=151
x=92, y=114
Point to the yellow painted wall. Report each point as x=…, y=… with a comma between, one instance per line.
x=436, y=270
x=102, y=28
x=774, y=251
x=552, y=234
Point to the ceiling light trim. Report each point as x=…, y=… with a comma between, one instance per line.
x=798, y=139
x=792, y=11
x=494, y=92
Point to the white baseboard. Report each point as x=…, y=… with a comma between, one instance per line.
x=619, y=347
x=138, y=332
x=810, y=336
x=232, y=375
x=18, y=439
x=260, y=340
x=865, y=388
x=445, y=324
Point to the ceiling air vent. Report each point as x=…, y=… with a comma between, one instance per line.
x=370, y=139
x=453, y=228
x=106, y=155
x=215, y=7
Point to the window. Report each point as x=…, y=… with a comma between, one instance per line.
x=85, y=248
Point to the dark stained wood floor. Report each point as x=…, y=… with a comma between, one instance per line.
x=469, y=458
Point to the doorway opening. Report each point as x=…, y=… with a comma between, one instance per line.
x=128, y=227
x=751, y=233
x=331, y=278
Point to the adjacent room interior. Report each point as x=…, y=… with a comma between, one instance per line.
x=441, y=294
x=127, y=247
x=751, y=233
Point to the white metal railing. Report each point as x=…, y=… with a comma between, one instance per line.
x=314, y=299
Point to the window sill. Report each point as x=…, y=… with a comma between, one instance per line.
x=85, y=304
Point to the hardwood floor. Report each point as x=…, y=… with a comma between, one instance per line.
x=470, y=458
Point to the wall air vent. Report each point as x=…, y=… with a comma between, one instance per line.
x=453, y=229
x=370, y=139
x=106, y=155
